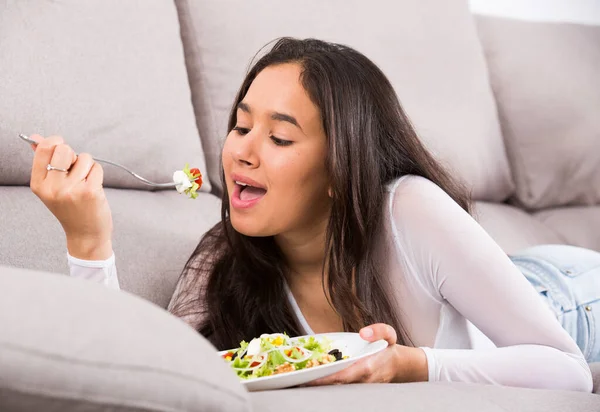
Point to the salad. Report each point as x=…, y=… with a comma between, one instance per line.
x=273, y=354
x=188, y=181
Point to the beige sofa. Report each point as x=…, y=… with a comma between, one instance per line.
x=509, y=106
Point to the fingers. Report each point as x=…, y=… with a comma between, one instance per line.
x=376, y=368
x=81, y=167
x=62, y=156
x=54, y=151
x=363, y=370
x=37, y=138
x=359, y=372
x=379, y=331
x=96, y=175
x=42, y=157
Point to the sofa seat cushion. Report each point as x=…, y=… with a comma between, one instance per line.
x=70, y=344
x=428, y=49
x=545, y=79
x=418, y=397
x=154, y=234
x=578, y=226
x=512, y=228
x=107, y=75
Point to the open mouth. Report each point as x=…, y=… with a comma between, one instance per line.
x=248, y=193
x=245, y=195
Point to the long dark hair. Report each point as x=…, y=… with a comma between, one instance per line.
x=233, y=286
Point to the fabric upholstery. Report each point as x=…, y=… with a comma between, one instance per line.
x=595, y=368
x=99, y=349
x=579, y=226
x=109, y=76
x=430, y=397
x=512, y=228
x=545, y=79
x=446, y=93
x=154, y=234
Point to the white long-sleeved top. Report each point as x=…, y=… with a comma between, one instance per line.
x=459, y=296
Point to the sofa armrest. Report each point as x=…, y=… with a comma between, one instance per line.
x=66, y=342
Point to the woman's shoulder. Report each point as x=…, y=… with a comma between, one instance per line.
x=415, y=213
x=408, y=187
x=416, y=201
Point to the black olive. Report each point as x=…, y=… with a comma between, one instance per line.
x=336, y=352
x=234, y=356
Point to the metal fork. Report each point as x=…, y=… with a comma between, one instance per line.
x=146, y=181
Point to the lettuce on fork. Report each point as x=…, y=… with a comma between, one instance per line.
x=188, y=181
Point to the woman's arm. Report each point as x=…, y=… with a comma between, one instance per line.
x=461, y=265
x=101, y=271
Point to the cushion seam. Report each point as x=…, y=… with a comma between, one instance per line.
x=124, y=367
x=97, y=401
x=207, y=99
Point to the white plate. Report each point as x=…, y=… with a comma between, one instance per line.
x=350, y=344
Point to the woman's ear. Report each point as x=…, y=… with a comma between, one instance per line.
x=330, y=192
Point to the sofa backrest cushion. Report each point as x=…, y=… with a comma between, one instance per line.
x=71, y=344
x=546, y=78
x=428, y=48
x=107, y=75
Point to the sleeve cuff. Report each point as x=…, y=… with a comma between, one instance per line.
x=91, y=263
x=430, y=363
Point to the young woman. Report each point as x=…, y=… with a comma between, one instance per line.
x=336, y=218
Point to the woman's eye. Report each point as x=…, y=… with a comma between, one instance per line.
x=241, y=130
x=281, y=142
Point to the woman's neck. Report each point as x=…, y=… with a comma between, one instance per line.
x=304, y=252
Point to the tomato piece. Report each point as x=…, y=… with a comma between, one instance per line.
x=195, y=171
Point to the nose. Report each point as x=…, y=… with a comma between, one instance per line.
x=245, y=150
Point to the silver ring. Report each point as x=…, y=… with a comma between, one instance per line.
x=50, y=167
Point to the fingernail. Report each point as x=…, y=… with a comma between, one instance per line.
x=367, y=332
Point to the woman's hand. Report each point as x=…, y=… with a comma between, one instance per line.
x=396, y=363
x=75, y=197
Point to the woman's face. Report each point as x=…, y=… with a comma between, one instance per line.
x=278, y=148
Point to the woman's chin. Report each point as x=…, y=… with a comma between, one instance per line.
x=248, y=227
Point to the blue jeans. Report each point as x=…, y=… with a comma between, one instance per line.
x=568, y=279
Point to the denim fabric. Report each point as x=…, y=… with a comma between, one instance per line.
x=568, y=280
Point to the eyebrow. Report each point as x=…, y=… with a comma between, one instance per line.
x=281, y=117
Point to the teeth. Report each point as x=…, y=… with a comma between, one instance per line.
x=240, y=183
